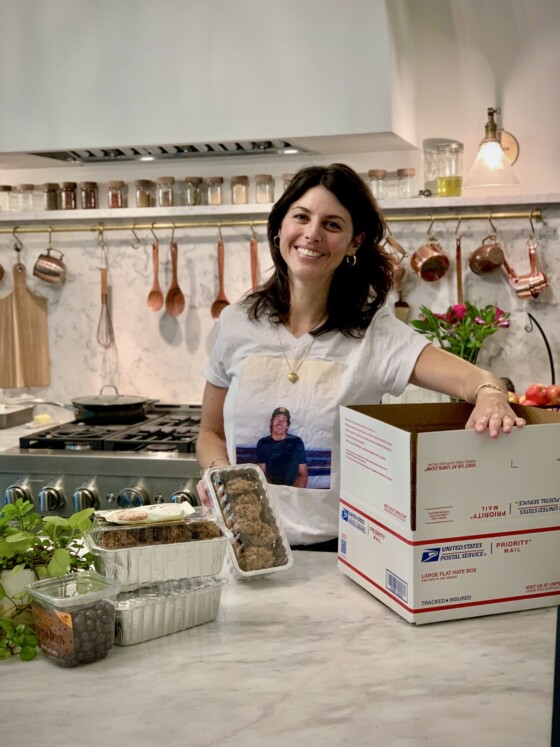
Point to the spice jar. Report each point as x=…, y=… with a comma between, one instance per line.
x=165, y=196
x=144, y=193
x=213, y=186
x=5, y=194
x=377, y=182
x=286, y=179
x=405, y=183
x=450, y=169
x=88, y=194
x=192, y=190
x=50, y=196
x=116, y=194
x=24, y=196
x=265, y=187
x=240, y=190
x=68, y=196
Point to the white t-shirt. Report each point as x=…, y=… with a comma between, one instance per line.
x=336, y=370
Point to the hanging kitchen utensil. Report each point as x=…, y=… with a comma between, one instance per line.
x=430, y=261
x=1, y=273
x=48, y=268
x=24, y=342
x=105, y=334
x=254, y=256
x=531, y=285
x=174, y=300
x=221, y=301
x=459, y=263
x=401, y=306
x=155, y=296
x=489, y=256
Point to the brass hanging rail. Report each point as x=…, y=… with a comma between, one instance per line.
x=535, y=214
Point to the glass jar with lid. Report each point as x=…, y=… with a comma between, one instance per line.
x=5, y=195
x=49, y=196
x=264, y=188
x=377, y=182
x=450, y=169
x=214, y=190
x=116, y=194
x=68, y=195
x=405, y=183
x=240, y=190
x=286, y=179
x=165, y=191
x=193, y=190
x=144, y=193
x=24, y=196
x=88, y=195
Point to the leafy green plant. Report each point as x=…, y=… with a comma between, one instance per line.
x=48, y=546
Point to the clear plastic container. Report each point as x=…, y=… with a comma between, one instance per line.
x=88, y=195
x=74, y=617
x=116, y=194
x=377, y=182
x=49, y=196
x=239, y=190
x=450, y=169
x=144, y=193
x=240, y=495
x=264, y=188
x=166, y=191
x=214, y=190
x=5, y=195
x=193, y=190
x=24, y=196
x=405, y=183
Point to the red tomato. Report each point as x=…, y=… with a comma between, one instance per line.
x=553, y=392
x=537, y=393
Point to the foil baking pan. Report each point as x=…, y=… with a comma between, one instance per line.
x=161, y=609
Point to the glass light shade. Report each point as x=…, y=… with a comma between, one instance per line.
x=491, y=168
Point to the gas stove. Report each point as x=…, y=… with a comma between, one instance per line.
x=76, y=465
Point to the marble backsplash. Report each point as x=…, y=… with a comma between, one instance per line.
x=156, y=355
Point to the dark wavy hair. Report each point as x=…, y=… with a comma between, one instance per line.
x=356, y=292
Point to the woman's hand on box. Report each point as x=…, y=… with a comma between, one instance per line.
x=493, y=413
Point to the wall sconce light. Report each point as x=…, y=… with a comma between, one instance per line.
x=498, y=152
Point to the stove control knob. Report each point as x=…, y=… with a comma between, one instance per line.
x=51, y=498
x=132, y=497
x=187, y=494
x=17, y=491
x=85, y=498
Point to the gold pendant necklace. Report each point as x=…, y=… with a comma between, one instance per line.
x=292, y=370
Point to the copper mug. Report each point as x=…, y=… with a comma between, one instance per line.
x=488, y=257
x=49, y=268
x=528, y=286
x=430, y=262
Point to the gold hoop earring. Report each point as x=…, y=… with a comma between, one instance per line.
x=351, y=260
x=277, y=245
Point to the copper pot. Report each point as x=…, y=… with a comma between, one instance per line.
x=49, y=268
x=430, y=261
x=528, y=286
x=488, y=257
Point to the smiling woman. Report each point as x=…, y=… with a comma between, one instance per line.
x=316, y=336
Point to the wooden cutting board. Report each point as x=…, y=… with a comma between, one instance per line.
x=24, y=340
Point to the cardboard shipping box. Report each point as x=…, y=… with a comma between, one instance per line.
x=441, y=523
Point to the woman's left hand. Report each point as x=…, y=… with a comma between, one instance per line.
x=492, y=413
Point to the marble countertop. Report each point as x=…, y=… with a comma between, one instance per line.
x=305, y=657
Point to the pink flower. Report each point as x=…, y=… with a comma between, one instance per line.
x=459, y=310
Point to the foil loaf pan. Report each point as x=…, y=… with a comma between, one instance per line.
x=160, y=609
x=153, y=563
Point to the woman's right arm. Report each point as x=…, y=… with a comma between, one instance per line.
x=211, y=447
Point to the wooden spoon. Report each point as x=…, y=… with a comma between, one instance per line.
x=254, y=254
x=155, y=296
x=174, y=300
x=221, y=301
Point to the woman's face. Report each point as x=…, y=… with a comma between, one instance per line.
x=316, y=234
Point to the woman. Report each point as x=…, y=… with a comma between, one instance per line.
x=316, y=336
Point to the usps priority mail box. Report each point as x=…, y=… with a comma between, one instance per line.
x=442, y=523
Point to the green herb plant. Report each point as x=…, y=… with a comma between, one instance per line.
x=49, y=546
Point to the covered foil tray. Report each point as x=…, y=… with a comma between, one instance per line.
x=160, y=609
x=148, y=564
x=240, y=494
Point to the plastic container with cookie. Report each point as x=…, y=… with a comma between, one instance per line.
x=240, y=495
x=135, y=547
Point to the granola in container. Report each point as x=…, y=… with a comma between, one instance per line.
x=144, y=552
x=241, y=496
x=161, y=609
